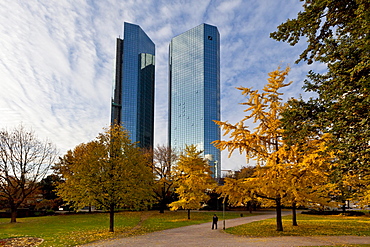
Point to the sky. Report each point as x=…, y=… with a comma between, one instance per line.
x=57, y=60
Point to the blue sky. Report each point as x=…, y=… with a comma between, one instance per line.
x=57, y=59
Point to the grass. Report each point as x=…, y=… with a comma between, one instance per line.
x=308, y=225
x=71, y=230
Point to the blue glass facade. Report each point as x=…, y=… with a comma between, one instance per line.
x=194, y=91
x=133, y=101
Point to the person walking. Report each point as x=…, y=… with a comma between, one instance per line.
x=214, y=221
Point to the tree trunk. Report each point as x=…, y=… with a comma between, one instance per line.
x=111, y=218
x=279, y=222
x=162, y=206
x=188, y=214
x=250, y=206
x=294, y=218
x=162, y=203
x=13, y=213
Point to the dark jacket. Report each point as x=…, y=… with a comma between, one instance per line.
x=215, y=219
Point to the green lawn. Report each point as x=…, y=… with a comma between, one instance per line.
x=308, y=225
x=71, y=230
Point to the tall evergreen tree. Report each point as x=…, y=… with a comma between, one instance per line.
x=337, y=34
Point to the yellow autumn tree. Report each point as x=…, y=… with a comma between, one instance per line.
x=365, y=193
x=110, y=172
x=285, y=175
x=357, y=187
x=264, y=109
x=74, y=167
x=302, y=176
x=310, y=166
x=193, y=180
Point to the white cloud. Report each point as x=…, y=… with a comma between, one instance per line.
x=57, y=59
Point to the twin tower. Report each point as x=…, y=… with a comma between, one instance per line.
x=194, y=89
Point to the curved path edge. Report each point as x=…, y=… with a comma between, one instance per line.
x=202, y=235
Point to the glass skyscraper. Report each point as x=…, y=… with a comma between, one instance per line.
x=194, y=92
x=133, y=100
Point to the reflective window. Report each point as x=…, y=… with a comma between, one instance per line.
x=194, y=65
x=137, y=85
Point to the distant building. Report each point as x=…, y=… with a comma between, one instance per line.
x=133, y=100
x=194, y=92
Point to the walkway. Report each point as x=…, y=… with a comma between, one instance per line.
x=202, y=235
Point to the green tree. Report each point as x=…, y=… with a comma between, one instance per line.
x=24, y=161
x=163, y=160
x=50, y=199
x=110, y=172
x=337, y=34
x=300, y=124
x=48, y=186
x=193, y=180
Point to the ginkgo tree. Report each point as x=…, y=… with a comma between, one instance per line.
x=193, y=180
x=308, y=148
x=264, y=109
x=110, y=172
x=304, y=174
x=275, y=177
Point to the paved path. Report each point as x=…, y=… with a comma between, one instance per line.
x=202, y=235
